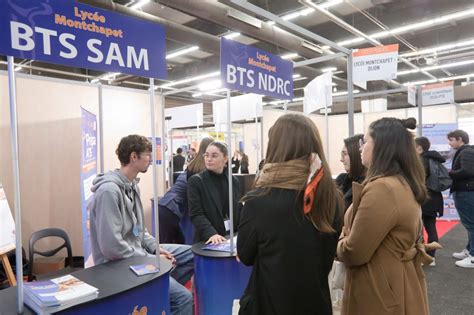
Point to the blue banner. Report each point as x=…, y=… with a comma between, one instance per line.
x=88, y=173
x=74, y=34
x=248, y=69
x=437, y=134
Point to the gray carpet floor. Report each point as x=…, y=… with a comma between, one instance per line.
x=450, y=288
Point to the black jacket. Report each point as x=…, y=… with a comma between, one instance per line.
x=291, y=259
x=178, y=163
x=462, y=170
x=344, y=183
x=434, y=205
x=205, y=207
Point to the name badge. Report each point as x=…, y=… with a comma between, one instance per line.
x=227, y=225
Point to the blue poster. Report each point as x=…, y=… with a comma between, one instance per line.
x=88, y=173
x=74, y=34
x=249, y=69
x=437, y=134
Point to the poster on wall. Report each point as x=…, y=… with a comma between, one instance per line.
x=436, y=133
x=249, y=69
x=158, y=150
x=88, y=173
x=374, y=63
x=70, y=33
x=7, y=225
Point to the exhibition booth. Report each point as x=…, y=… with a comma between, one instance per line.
x=59, y=134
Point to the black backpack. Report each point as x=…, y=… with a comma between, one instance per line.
x=439, y=179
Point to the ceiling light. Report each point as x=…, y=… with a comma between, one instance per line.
x=296, y=14
x=232, y=35
x=192, y=79
x=139, y=4
x=325, y=5
x=290, y=56
x=96, y=80
x=182, y=52
x=447, y=65
x=18, y=68
x=312, y=47
x=345, y=93
x=271, y=23
x=439, y=48
x=296, y=75
x=411, y=27
x=299, y=79
x=213, y=92
x=210, y=85
x=328, y=69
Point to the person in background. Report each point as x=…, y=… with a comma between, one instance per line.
x=208, y=197
x=434, y=205
x=191, y=155
x=355, y=171
x=235, y=162
x=173, y=207
x=178, y=161
x=244, y=163
x=462, y=174
x=381, y=243
x=117, y=221
x=290, y=224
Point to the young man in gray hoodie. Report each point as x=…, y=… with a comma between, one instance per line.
x=117, y=221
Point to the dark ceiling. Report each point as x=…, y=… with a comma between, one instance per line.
x=201, y=23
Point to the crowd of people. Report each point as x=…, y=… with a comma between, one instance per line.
x=298, y=220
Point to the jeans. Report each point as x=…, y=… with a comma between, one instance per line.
x=464, y=202
x=181, y=300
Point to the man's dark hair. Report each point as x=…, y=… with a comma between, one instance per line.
x=129, y=144
x=459, y=134
x=179, y=151
x=423, y=142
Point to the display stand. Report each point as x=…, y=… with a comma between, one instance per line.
x=8, y=268
x=219, y=279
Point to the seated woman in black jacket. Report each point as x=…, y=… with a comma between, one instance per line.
x=208, y=197
x=290, y=224
x=350, y=158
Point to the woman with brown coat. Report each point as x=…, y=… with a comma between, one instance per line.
x=380, y=243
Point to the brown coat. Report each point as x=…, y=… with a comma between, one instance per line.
x=380, y=251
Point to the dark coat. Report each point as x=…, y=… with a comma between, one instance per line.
x=462, y=170
x=235, y=165
x=205, y=207
x=434, y=205
x=178, y=163
x=344, y=183
x=291, y=259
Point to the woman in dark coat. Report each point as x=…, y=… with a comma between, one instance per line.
x=290, y=225
x=355, y=171
x=434, y=205
x=175, y=223
x=208, y=197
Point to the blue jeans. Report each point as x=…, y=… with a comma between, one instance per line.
x=464, y=202
x=181, y=300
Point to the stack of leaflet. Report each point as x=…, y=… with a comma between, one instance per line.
x=222, y=247
x=50, y=296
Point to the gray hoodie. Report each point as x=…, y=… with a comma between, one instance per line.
x=116, y=219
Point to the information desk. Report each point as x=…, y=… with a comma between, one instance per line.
x=218, y=279
x=120, y=290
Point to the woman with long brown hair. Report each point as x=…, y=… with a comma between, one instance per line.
x=175, y=222
x=289, y=224
x=380, y=244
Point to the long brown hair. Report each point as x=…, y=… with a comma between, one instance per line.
x=296, y=137
x=394, y=154
x=357, y=170
x=197, y=164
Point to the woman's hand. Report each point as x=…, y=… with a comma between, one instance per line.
x=216, y=239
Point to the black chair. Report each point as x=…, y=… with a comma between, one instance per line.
x=51, y=232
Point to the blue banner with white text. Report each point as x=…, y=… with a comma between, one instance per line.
x=74, y=34
x=88, y=173
x=249, y=69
